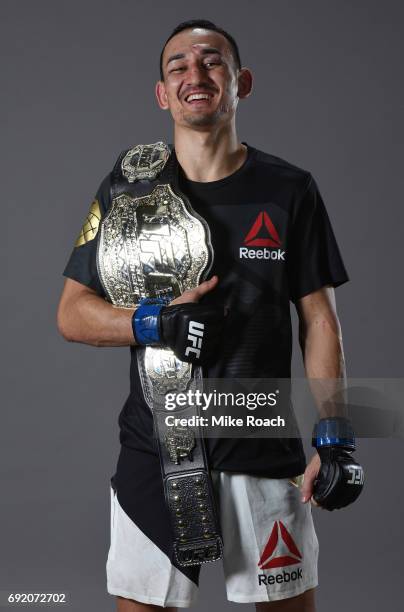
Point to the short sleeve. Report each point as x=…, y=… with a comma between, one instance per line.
x=82, y=263
x=314, y=257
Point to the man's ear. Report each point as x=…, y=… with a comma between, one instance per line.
x=161, y=95
x=245, y=83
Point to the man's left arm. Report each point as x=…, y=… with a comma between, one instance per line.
x=333, y=478
x=320, y=340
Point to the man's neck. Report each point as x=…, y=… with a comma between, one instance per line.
x=208, y=156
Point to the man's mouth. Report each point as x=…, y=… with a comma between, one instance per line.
x=195, y=98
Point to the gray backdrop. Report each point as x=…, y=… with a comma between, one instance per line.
x=77, y=88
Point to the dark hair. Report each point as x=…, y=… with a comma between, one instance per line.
x=206, y=25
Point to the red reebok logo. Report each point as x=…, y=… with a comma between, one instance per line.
x=266, y=562
x=272, y=238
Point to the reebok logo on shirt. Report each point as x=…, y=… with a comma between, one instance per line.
x=261, y=254
x=262, y=234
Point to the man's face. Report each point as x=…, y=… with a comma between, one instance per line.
x=200, y=86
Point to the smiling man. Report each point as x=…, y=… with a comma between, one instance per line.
x=191, y=255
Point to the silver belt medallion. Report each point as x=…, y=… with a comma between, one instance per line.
x=151, y=246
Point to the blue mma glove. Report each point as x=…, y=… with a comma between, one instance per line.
x=192, y=331
x=340, y=479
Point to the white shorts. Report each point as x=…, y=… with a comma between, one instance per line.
x=270, y=547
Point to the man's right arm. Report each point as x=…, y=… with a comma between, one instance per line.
x=84, y=316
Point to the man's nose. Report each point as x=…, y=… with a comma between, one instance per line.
x=196, y=73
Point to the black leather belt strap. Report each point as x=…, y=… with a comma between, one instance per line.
x=188, y=489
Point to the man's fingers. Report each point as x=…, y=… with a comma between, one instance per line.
x=194, y=295
x=205, y=287
x=310, y=476
x=307, y=487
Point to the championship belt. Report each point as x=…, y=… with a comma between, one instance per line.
x=152, y=245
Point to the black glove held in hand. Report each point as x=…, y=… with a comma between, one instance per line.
x=192, y=331
x=340, y=479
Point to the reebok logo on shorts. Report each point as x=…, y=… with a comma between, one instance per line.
x=273, y=557
x=281, y=577
x=269, y=559
x=262, y=234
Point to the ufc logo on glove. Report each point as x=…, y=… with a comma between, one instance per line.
x=357, y=475
x=195, y=334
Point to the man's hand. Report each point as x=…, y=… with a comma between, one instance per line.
x=337, y=477
x=194, y=295
x=191, y=330
x=310, y=476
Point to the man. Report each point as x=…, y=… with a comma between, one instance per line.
x=272, y=243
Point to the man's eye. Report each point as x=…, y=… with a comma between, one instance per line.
x=178, y=69
x=208, y=64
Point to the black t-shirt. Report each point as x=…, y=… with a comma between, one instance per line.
x=273, y=243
